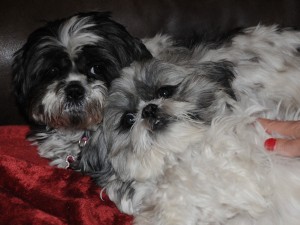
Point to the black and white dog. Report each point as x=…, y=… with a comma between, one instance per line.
x=182, y=136
x=61, y=76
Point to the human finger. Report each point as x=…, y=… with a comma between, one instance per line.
x=286, y=128
x=286, y=147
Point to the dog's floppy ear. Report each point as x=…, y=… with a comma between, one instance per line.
x=141, y=53
x=223, y=73
x=18, y=79
x=18, y=72
x=93, y=160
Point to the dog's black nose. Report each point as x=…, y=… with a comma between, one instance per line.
x=74, y=91
x=150, y=111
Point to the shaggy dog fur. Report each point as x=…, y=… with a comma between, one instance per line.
x=61, y=76
x=182, y=133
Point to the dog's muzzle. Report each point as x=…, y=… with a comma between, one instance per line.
x=74, y=91
x=154, y=117
x=150, y=111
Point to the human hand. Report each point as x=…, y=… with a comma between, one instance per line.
x=289, y=146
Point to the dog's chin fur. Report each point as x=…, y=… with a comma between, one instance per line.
x=61, y=76
x=182, y=133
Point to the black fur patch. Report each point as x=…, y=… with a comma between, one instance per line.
x=222, y=72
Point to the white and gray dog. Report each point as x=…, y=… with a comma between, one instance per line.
x=61, y=76
x=182, y=135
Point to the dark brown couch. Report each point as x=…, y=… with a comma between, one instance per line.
x=183, y=18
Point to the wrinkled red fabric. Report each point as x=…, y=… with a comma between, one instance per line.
x=32, y=192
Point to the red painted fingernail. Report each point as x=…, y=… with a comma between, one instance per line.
x=270, y=144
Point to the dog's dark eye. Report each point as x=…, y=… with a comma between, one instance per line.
x=54, y=71
x=166, y=91
x=96, y=70
x=128, y=120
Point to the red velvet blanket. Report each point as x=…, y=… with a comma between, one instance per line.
x=31, y=192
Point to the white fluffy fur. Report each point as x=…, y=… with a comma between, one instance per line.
x=195, y=174
x=59, y=144
x=221, y=175
x=73, y=35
